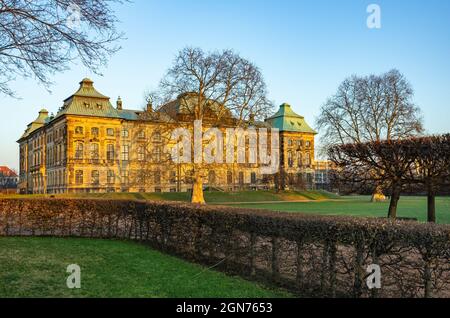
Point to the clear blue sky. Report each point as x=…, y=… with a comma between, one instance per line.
x=304, y=49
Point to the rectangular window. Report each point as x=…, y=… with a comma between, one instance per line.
x=111, y=177
x=173, y=177
x=110, y=152
x=157, y=154
x=95, y=177
x=94, y=131
x=125, y=176
x=125, y=153
x=124, y=133
x=141, y=153
x=78, y=177
x=241, y=178
x=141, y=134
x=157, y=136
x=110, y=132
x=157, y=176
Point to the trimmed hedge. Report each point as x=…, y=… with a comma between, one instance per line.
x=314, y=256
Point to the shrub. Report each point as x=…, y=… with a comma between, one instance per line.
x=315, y=256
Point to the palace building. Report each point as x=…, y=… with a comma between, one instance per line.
x=91, y=146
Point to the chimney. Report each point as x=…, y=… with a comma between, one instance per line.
x=149, y=107
x=119, y=103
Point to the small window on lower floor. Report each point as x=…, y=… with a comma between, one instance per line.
x=78, y=177
x=253, y=177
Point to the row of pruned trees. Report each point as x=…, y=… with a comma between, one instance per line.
x=419, y=162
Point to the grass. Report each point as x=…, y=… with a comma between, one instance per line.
x=36, y=267
x=414, y=207
x=210, y=196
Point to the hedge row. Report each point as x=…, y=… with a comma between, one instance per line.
x=314, y=256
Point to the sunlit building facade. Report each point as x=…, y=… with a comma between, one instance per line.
x=91, y=146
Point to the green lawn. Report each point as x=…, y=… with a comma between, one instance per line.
x=210, y=196
x=36, y=267
x=361, y=206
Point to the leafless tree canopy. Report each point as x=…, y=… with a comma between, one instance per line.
x=224, y=77
x=41, y=37
x=371, y=108
x=423, y=162
x=219, y=87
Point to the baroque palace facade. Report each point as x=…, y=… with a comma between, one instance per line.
x=91, y=146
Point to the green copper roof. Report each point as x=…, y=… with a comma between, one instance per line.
x=40, y=121
x=286, y=119
x=87, y=101
x=87, y=90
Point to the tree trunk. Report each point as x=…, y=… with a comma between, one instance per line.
x=394, y=202
x=197, y=190
x=431, y=205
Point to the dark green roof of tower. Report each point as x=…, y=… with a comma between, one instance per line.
x=87, y=101
x=285, y=119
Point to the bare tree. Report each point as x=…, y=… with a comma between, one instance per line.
x=422, y=161
x=39, y=38
x=370, y=109
x=388, y=162
x=431, y=167
x=217, y=87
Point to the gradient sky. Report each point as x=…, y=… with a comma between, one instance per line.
x=303, y=48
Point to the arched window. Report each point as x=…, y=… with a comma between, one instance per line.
x=156, y=136
x=125, y=133
x=307, y=159
x=95, y=131
x=253, y=177
x=94, y=151
x=290, y=159
x=299, y=159
x=229, y=177
x=79, y=150
x=110, y=152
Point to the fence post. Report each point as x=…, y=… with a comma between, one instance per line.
x=275, y=259
x=252, y=270
x=299, y=263
x=359, y=275
x=427, y=278
x=332, y=258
